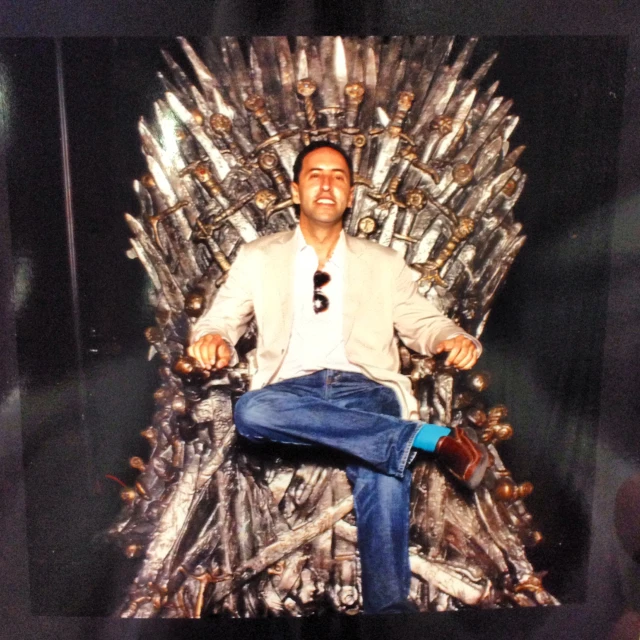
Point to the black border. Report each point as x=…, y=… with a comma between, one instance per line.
x=617, y=453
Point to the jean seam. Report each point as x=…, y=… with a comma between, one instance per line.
x=404, y=460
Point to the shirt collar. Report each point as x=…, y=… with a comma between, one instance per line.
x=338, y=255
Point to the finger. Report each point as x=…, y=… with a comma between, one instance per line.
x=445, y=345
x=221, y=363
x=474, y=357
x=194, y=352
x=467, y=353
x=223, y=355
x=468, y=361
x=453, y=355
x=199, y=351
x=205, y=354
x=211, y=353
x=463, y=352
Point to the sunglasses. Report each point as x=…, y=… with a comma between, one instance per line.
x=320, y=301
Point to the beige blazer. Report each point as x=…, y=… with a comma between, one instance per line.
x=380, y=296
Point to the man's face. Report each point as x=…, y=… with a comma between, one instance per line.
x=323, y=190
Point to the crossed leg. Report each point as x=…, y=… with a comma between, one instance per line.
x=361, y=418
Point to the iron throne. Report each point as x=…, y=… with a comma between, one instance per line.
x=221, y=527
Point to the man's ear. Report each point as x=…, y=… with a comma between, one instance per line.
x=350, y=203
x=295, y=193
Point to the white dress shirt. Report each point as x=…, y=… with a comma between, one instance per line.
x=317, y=340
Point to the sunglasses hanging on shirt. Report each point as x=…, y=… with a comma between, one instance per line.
x=320, y=301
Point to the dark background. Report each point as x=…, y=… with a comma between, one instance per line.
x=561, y=344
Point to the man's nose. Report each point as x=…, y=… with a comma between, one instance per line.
x=326, y=182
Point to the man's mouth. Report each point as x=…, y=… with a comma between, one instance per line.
x=325, y=201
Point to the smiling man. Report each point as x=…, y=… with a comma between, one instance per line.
x=327, y=307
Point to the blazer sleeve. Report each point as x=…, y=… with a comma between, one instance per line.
x=232, y=308
x=419, y=323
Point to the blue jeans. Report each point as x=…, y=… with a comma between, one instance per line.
x=359, y=417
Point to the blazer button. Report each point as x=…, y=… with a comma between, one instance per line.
x=281, y=351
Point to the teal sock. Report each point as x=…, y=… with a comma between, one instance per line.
x=427, y=438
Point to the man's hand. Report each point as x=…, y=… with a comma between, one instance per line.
x=211, y=351
x=462, y=352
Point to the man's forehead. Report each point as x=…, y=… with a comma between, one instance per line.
x=325, y=158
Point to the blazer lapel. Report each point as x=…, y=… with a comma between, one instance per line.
x=354, y=284
x=281, y=274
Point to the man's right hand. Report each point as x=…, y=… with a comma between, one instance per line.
x=211, y=351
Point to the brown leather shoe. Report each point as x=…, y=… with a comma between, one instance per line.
x=467, y=460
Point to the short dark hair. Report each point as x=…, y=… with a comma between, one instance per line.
x=320, y=144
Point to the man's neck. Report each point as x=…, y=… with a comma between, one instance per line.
x=322, y=239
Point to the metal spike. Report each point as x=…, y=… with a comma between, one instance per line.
x=512, y=158
x=265, y=50
x=383, y=117
x=169, y=285
x=388, y=65
x=175, y=218
x=219, y=163
x=202, y=105
x=464, y=56
x=481, y=134
x=483, y=102
x=169, y=87
x=353, y=53
x=206, y=80
x=457, y=123
x=370, y=80
x=221, y=105
x=357, y=68
x=510, y=123
x=340, y=67
x=487, y=158
x=482, y=195
x=329, y=92
x=316, y=72
x=302, y=67
x=285, y=64
x=239, y=73
x=483, y=69
x=256, y=72
x=492, y=107
x=139, y=252
x=439, y=83
x=179, y=76
x=388, y=227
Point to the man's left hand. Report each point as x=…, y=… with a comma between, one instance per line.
x=463, y=353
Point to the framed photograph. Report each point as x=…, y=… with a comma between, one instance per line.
x=558, y=343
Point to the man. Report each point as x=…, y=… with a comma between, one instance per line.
x=326, y=305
